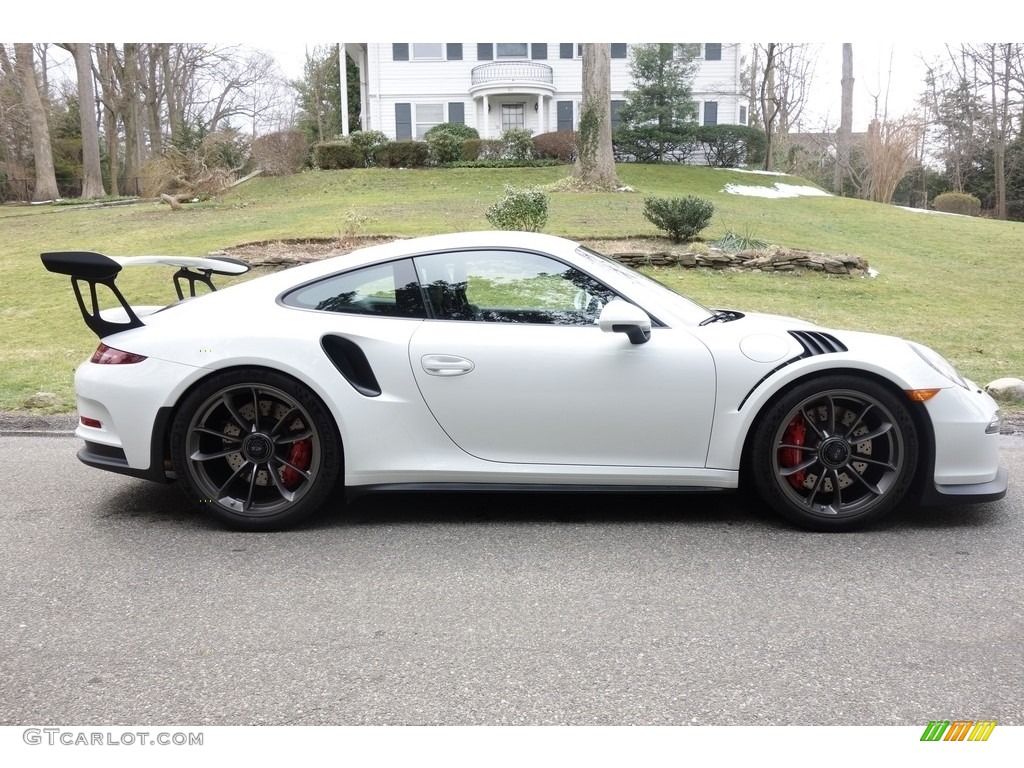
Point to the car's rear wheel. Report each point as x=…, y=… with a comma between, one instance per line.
x=256, y=449
x=835, y=453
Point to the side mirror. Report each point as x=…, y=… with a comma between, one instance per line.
x=620, y=316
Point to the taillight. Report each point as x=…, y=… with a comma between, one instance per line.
x=105, y=355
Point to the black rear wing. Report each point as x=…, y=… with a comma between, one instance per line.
x=97, y=269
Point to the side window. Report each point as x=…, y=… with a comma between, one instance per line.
x=502, y=286
x=388, y=289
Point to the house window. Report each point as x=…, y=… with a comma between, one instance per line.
x=616, y=120
x=710, y=113
x=454, y=51
x=427, y=51
x=618, y=50
x=484, y=51
x=565, y=50
x=538, y=50
x=400, y=51
x=513, y=50
x=564, y=110
x=427, y=116
x=712, y=51
x=743, y=114
x=513, y=116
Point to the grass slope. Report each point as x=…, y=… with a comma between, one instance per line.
x=951, y=282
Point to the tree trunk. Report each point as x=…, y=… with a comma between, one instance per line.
x=595, y=163
x=46, y=179
x=768, y=105
x=92, y=175
x=132, y=123
x=105, y=52
x=845, y=136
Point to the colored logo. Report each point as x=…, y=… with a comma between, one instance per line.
x=958, y=730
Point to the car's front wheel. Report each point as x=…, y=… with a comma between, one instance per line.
x=256, y=449
x=835, y=453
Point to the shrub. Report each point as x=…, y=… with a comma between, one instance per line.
x=369, y=143
x=957, y=202
x=731, y=146
x=1015, y=210
x=282, y=153
x=499, y=163
x=520, y=209
x=517, y=144
x=681, y=217
x=556, y=145
x=334, y=155
x=458, y=130
x=444, y=147
x=404, y=154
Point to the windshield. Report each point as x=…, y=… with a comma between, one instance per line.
x=686, y=307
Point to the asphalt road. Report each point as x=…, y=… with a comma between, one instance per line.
x=120, y=607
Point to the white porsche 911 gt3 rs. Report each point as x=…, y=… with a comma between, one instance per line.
x=509, y=361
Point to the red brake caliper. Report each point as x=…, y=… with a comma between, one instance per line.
x=795, y=434
x=300, y=455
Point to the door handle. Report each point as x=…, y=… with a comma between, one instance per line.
x=446, y=365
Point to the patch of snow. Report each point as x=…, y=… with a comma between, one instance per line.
x=761, y=173
x=927, y=210
x=872, y=272
x=776, y=190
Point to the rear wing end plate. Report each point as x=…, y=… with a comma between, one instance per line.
x=96, y=269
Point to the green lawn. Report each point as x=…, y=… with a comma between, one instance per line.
x=950, y=282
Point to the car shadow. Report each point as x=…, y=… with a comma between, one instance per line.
x=158, y=504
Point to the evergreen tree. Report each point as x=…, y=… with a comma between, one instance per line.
x=659, y=118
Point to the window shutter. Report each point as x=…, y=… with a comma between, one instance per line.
x=710, y=113
x=485, y=51
x=538, y=50
x=400, y=51
x=618, y=50
x=564, y=115
x=565, y=50
x=454, y=52
x=456, y=112
x=403, y=120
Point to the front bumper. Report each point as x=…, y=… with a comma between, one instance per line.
x=936, y=495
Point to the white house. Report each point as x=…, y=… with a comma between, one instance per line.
x=406, y=88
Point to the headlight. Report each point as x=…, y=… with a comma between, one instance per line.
x=939, y=363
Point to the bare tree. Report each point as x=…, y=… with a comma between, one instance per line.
x=595, y=163
x=780, y=82
x=92, y=175
x=844, y=136
x=46, y=179
x=890, y=153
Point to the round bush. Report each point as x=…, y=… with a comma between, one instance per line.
x=957, y=202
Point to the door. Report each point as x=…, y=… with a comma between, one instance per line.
x=514, y=368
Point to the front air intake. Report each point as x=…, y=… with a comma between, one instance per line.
x=818, y=343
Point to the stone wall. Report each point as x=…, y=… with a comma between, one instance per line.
x=772, y=259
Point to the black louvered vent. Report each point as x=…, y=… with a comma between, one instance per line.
x=818, y=343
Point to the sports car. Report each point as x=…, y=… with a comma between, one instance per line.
x=508, y=361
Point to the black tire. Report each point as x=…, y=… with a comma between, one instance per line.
x=835, y=453
x=256, y=449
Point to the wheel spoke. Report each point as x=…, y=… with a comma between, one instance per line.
x=294, y=438
x=883, y=429
x=255, y=409
x=234, y=476
x=830, y=415
x=200, y=456
x=283, y=420
x=215, y=433
x=305, y=473
x=805, y=464
x=857, y=423
x=783, y=446
x=874, y=462
x=809, y=501
x=810, y=421
x=239, y=419
x=281, y=488
x=872, y=488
